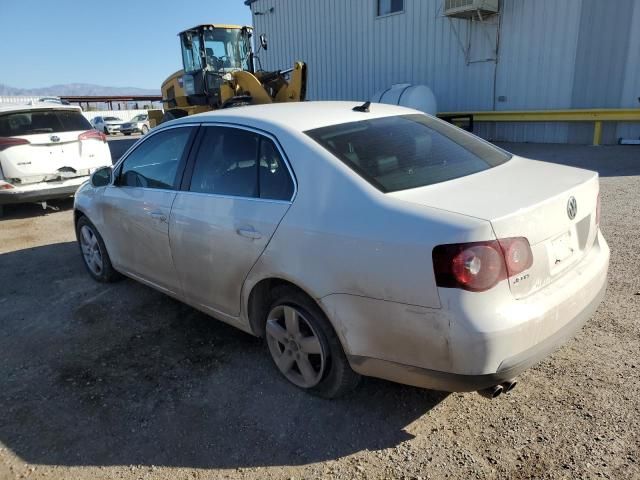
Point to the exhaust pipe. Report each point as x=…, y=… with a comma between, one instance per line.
x=509, y=385
x=492, y=392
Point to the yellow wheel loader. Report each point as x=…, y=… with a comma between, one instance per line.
x=219, y=71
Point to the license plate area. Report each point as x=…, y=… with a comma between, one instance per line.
x=562, y=251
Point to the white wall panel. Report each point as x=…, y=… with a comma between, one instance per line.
x=351, y=54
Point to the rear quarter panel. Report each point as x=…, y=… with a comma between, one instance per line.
x=342, y=236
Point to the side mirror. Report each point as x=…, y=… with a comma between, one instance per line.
x=101, y=177
x=263, y=41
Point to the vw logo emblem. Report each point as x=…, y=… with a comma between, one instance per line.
x=572, y=208
x=54, y=138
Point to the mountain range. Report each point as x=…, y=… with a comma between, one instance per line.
x=71, y=89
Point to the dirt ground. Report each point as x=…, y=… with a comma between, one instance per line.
x=119, y=381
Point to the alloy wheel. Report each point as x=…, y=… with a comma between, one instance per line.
x=91, y=250
x=295, y=346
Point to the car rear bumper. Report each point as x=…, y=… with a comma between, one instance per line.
x=42, y=191
x=474, y=342
x=451, y=382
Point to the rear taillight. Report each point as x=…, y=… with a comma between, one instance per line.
x=5, y=186
x=7, y=142
x=598, y=211
x=93, y=135
x=517, y=255
x=479, y=266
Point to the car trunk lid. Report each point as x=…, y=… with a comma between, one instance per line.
x=526, y=198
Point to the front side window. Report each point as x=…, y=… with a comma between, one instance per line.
x=240, y=163
x=154, y=163
x=407, y=151
x=42, y=121
x=386, y=7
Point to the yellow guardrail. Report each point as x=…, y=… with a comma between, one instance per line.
x=597, y=116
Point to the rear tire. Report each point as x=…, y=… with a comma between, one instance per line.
x=304, y=347
x=94, y=253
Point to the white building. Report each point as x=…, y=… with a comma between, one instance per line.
x=533, y=55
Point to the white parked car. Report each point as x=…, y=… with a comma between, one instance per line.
x=46, y=152
x=376, y=241
x=107, y=125
x=138, y=124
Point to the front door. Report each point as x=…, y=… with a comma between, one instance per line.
x=137, y=206
x=224, y=218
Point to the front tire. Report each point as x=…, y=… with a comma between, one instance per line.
x=145, y=130
x=94, y=253
x=304, y=346
x=106, y=132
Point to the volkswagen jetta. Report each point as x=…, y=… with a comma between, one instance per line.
x=371, y=241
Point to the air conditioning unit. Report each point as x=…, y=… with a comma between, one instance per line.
x=470, y=8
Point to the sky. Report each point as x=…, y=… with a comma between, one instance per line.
x=114, y=43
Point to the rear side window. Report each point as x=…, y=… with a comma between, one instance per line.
x=42, y=121
x=154, y=163
x=408, y=151
x=275, y=181
x=226, y=163
x=240, y=163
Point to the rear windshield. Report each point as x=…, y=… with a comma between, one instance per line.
x=42, y=121
x=408, y=151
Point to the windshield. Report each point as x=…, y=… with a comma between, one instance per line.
x=42, y=121
x=226, y=50
x=139, y=118
x=408, y=151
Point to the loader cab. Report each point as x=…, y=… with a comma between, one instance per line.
x=209, y=53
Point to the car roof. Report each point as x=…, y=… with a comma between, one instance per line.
x=298, y=116
x=17, y=107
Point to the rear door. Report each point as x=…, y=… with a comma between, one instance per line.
x=136, y=207
x=237, y=191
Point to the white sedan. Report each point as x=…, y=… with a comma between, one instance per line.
x=357, y=241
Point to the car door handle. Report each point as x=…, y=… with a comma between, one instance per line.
x=249, y=233
x=158, y=216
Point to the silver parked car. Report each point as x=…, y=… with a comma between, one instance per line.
x=138, y=124
x=369, y=240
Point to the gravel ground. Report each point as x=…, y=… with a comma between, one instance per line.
x=119, y=381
